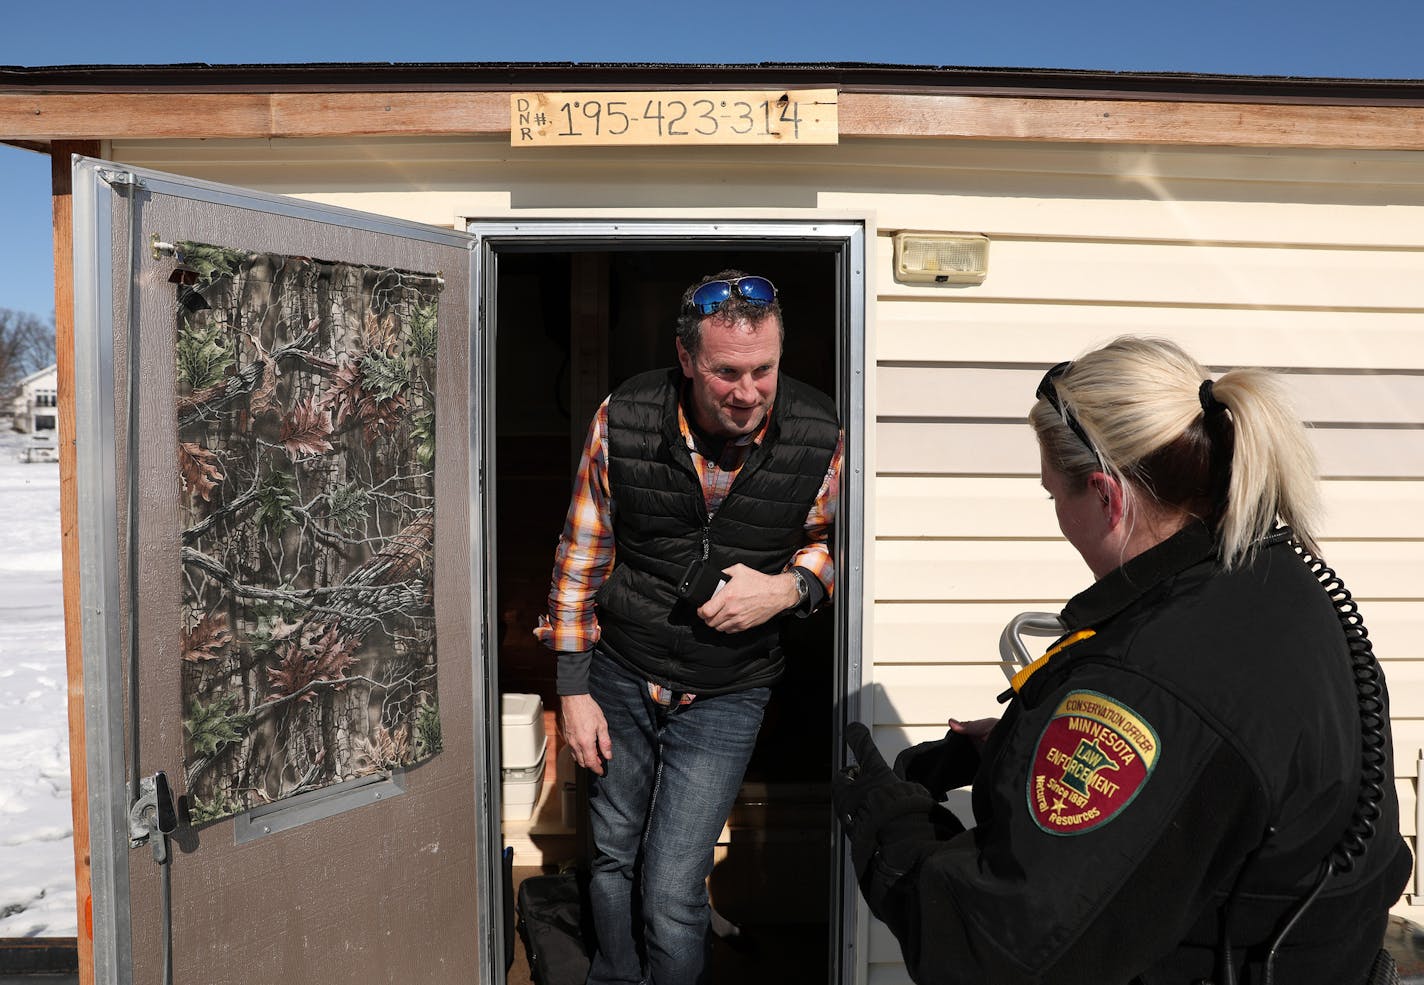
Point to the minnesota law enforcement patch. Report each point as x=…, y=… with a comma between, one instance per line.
x=1092, y=759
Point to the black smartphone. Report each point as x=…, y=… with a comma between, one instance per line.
x=700, y=581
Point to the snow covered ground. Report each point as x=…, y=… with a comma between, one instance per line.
x=36, y=830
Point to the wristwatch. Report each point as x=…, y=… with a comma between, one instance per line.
x=802, y=589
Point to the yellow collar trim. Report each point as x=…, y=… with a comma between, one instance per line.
x=1021, y=678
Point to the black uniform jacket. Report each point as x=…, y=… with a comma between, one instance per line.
x=1131, y=784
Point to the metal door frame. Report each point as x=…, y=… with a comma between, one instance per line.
x=844, y=236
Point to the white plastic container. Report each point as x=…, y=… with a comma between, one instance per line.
x=521, y=789
x=522, y=737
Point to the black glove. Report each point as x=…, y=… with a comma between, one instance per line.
x=853, y=785
x=941, y=765
x=868, y=797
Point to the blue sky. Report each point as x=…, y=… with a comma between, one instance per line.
x=1365, y=39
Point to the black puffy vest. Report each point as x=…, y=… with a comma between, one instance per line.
x=659, y=520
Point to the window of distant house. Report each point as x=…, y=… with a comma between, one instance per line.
x=44, y=422
x=46, y=398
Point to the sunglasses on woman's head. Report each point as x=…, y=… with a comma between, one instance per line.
x=1048, y=390
x=754, y=290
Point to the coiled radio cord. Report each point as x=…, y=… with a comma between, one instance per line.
x=1370, y=693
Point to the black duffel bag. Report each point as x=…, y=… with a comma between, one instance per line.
x=557, y=939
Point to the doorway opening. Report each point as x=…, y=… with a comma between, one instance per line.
x=567, y=320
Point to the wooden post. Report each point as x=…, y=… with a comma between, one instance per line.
x=60, y=183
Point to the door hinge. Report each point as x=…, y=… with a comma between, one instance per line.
x=120, y=179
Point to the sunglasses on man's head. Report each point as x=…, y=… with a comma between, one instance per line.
x=754, y=290
x=1048, y=390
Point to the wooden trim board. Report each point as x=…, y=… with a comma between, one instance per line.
x=60, y=181
x=149, y=115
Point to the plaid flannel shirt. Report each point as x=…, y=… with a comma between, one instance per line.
x=585, y=552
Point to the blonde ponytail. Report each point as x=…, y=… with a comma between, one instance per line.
x=1273, y=469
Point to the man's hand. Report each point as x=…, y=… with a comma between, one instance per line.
x=585, y=730
x=748, y=599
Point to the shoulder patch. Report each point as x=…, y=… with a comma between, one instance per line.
x=1093, y=757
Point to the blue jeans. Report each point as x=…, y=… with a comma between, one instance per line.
x=655, y=814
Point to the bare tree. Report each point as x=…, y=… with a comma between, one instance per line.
x=26, y=345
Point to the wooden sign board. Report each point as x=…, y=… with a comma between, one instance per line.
x=770, y=116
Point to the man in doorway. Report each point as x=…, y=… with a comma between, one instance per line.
x=699, y=522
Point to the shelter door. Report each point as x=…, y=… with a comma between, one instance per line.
x=281, y=608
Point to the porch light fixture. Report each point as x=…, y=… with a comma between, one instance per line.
x=941, y=258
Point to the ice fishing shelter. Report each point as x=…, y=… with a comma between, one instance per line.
x=512, y=239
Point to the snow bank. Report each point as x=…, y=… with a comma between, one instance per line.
x=37, y=897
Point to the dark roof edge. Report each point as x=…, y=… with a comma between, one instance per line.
x=853, y=76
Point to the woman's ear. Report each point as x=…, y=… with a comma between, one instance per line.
x=1110, y=495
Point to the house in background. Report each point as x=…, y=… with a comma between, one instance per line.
x=35, y=411
x=36, y=403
